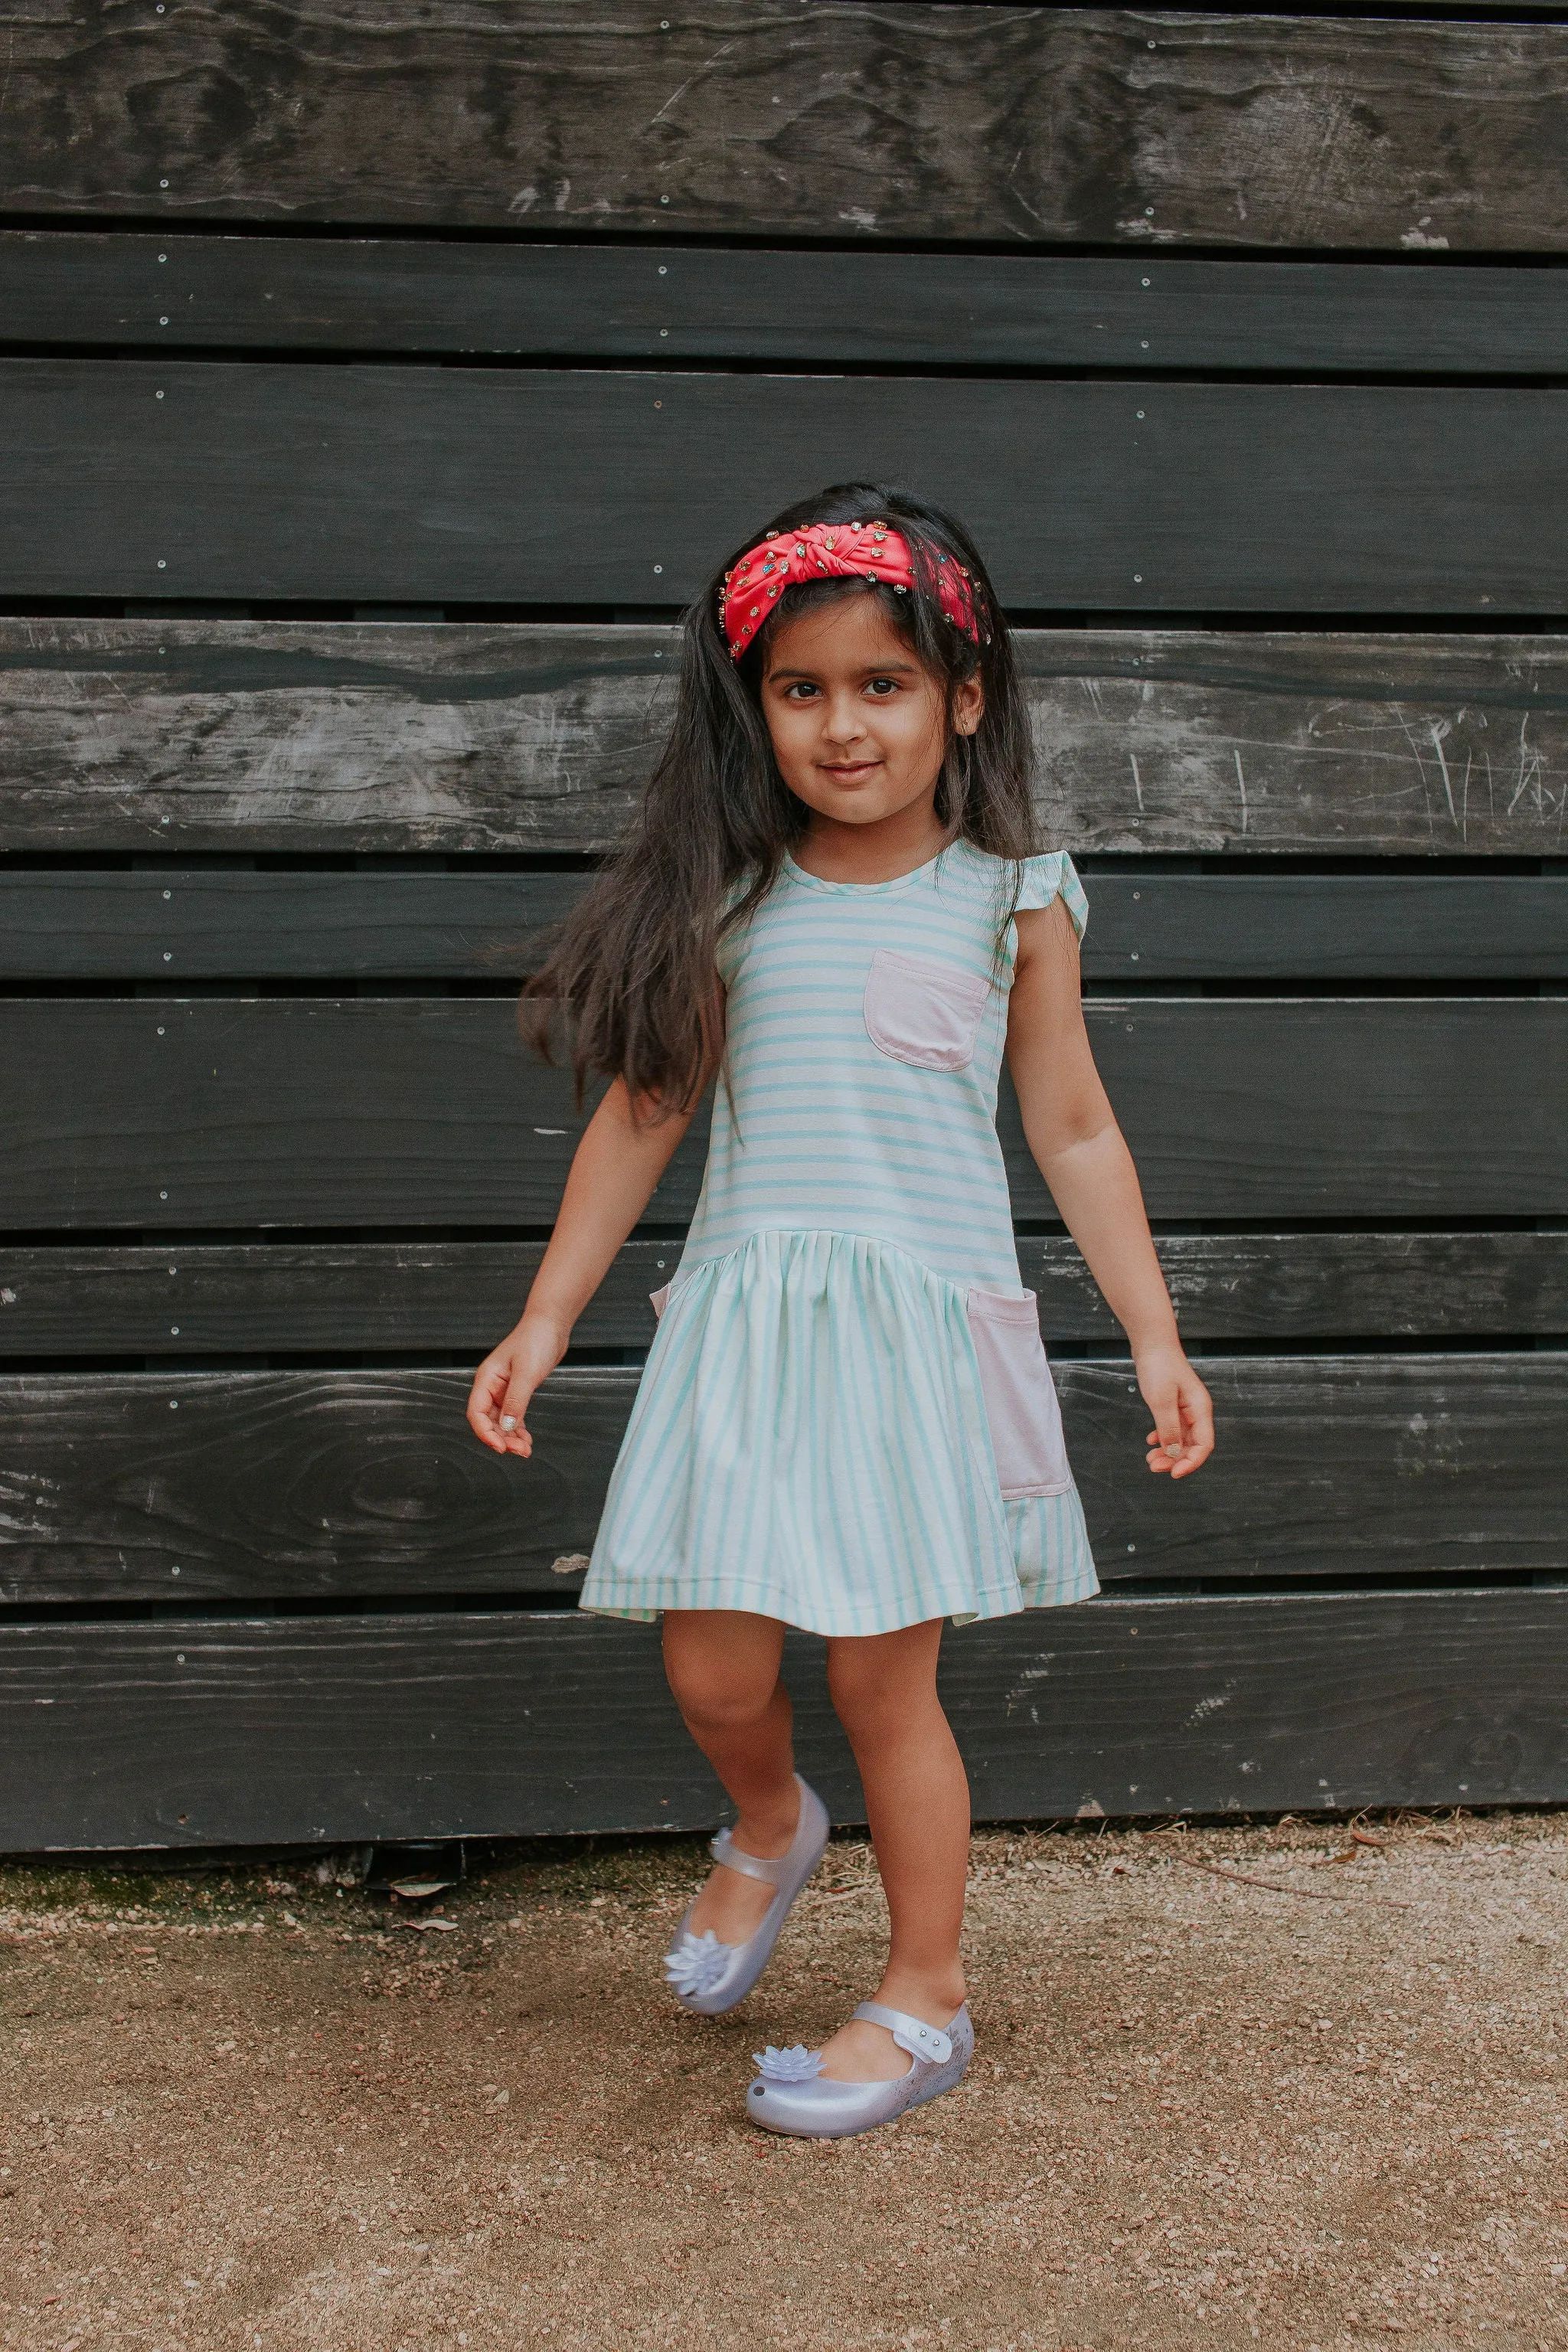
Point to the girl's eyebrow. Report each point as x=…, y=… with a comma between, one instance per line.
x=872, y=669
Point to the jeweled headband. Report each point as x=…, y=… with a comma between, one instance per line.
x=826, y=551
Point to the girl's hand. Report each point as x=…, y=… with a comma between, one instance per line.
x=507, y=1379
x=1183, y=1437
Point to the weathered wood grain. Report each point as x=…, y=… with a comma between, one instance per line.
x=251, y=480
x=1295, y=742
x=1328, y=1466
x=267, y=1486
x=392, y=1298
x=186, y=923
x=794, y=122
x=205, y=1486
x=411, y=1111
x=198, y=1733
x=1148, y=312
x=382, y=736
x=1283, y=1286
x=266, y=736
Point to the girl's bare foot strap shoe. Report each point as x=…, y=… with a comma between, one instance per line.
x=710, y=1976
x=791, y=2094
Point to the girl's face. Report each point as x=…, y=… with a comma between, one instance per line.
x=859, y=727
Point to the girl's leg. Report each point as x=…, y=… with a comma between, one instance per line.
x=723, y=1668
x=917, y=1798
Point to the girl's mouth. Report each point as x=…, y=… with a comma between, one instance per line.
x=851, y=770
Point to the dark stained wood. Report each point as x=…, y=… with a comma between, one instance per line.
x=667, y=303
x=267, y=1486
x=264, y=1486
x=411, y=1111
x=1326, y=927
x=393, y=1298
x=265, y=736
x=200, y=1733
x=297, y=1298
x=186, y=923
x=1331, y=1465
x=173, y=923
x=192, y=478
x=793, y=122
x=1366, y=1108
x=397, y=1110
x=1252, y=1704
x=1280, y=1286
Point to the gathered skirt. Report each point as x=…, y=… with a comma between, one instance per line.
x=810, y=1442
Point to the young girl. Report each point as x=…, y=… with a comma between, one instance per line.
x=833, y=905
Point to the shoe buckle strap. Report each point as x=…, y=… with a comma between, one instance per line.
x=751, y=1865
x=911, y=2033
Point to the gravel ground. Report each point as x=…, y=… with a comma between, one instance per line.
x=252, y=2110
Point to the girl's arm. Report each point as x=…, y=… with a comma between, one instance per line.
x=614, y=1171
x=1078, y=1149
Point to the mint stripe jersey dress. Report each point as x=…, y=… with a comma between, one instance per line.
x=846, y=1420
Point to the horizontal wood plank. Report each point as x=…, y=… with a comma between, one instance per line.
x=175, y=923
x=162, y=923
x=400, y=1112
x=510, y=1724
x=1283, y=1286
x=241, y=1486
x=392, y=1298
x=1349, y=926
x=790, y=122
x=1148, y=312
x=189, y=478
x=242, y=736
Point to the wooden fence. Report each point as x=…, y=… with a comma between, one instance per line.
x=377, y=382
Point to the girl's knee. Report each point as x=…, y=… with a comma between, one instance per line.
x=719, y=1694
x=875, y=1692
x=714, y=1705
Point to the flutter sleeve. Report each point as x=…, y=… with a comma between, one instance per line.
x=1044, y=878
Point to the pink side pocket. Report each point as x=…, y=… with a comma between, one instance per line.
x=1020, y=1396
x=659, y=1299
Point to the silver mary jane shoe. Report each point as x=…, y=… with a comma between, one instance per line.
x=791, y=2093
x=710, y=1976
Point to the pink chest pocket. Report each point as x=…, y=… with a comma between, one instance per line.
x=923, y=1014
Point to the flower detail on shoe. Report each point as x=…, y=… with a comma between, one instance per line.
x=796, y=2064
x=696, y=1963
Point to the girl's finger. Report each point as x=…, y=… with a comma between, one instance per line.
x=1166, y=1439
x=485, y=1403
x=1197, y=1425
x=514, y=1405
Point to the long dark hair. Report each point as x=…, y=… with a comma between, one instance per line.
x=633, y=969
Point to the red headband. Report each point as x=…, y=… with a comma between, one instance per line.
x=825, y=551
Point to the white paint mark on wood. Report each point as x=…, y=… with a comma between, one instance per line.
x=676, y=95
x=1439, y=728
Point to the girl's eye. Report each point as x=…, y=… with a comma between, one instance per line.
x=801, y=691
x=884, y=687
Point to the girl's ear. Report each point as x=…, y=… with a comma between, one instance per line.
x=968, y=704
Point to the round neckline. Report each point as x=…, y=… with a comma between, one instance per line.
x=863, y=889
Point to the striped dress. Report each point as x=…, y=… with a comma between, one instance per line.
x=846, y=1420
